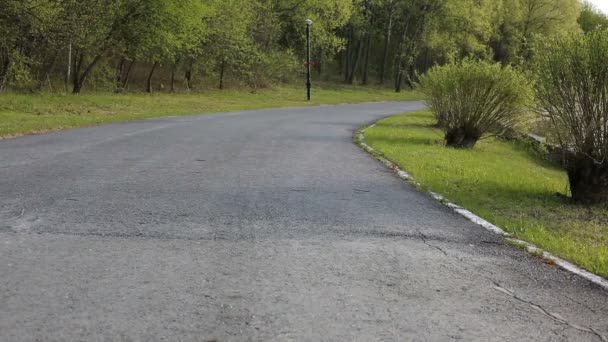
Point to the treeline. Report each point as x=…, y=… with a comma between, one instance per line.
x=112, y=44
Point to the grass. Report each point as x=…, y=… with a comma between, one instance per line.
x=23, y=114
x=506, y=183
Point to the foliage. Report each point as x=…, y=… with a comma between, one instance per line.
x=521, y=22
x=592, y=18
x=472, y=99
x=573, y=93
x=356, y=40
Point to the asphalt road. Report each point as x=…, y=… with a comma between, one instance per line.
x=267, y=225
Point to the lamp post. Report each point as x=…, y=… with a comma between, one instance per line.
x=308, y=83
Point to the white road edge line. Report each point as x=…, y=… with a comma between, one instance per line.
x=530, y=248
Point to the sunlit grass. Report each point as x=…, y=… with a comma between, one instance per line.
x=22, y=114
x=506, y=183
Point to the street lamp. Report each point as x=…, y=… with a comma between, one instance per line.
x=308, y=83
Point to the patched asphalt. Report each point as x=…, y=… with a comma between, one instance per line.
x=257, y=226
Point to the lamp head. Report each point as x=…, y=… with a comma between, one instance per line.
x=308, y=22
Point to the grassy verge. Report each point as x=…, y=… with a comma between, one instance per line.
x=22, y=114
x=506, y=183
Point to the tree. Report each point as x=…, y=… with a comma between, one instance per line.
x=415, y=18
x=472, y=99
x=92, y=35
x=258, y=42
x=178, y=24
x=28, y=38
x=572, y=90
x=591, y=18
x=521, y=21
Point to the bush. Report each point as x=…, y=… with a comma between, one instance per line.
x=572, y=91
x=472, y=99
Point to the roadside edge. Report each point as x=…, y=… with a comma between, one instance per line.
x=359, y=139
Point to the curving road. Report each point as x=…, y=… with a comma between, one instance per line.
x=256, y=226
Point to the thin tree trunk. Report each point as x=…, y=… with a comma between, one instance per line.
x=387, y=43
x=80, y=79
x=149, y=80
x=355, y=64
x=411, y=76
x=127, y=76
x=400, y=57
x=399, y=80
x=68, y=73
x=4, y=72
x=368, y=42
x=188, y=76
x=173, y=70
x=48, y=80
x=368, y=48
x=348, y=54
x=76, y=85
x=119, y=74
x=222, y=68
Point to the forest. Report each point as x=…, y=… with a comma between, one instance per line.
x=181, y=45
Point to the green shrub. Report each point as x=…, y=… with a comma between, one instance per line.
x=472, y=99
x=572, y=92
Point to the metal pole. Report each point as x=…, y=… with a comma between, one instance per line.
x=308, y=83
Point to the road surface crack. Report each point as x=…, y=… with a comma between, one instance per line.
x=553, y=316
x=581, y=304
x=17, y=217
x=361, y=190
x=424, y=239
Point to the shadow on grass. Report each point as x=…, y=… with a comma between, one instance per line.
x=542, y=159
x=523, y=194
x=408, y=141
x=408, y=125
x=422, y=115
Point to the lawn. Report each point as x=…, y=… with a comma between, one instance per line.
x=506, y=183
x=23, y=114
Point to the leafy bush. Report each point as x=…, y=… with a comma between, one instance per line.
x=472, y=99
x=572, y=91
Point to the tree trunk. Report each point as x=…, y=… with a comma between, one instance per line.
x=368, y=42
x=398, y=80
x=119, y=74
x=400, y=58
x=188, y=76
x=4, y=72
x=127, y=76
x=411, y=75
x=348, y=54
x=149, y=80
x=462, y=137
x=76, y=85
x=368, y=47
x=588, y=180
x=173, y=70
x=80, y=79
x=355, y=64
x=387, y=43
x=222, y=68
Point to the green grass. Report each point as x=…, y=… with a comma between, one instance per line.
x=23, y=114
x=506, y=183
